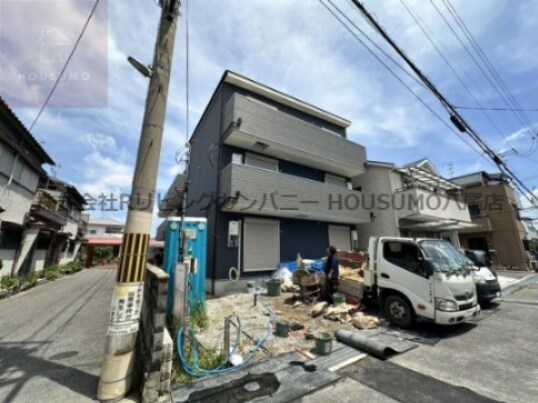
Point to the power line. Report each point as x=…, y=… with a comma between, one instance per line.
x=458, y=121
x=495, y=109
x=485, y=59
x=422, y=25
x=389, y=69
x=65, y=65
x=486, y=75
x=494, y=73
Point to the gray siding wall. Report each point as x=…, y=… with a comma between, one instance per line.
x=230, y=90
x=276, y=126
x=374, y=183
x=203, y=174
x=271, y=193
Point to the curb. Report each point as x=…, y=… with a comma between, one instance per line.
x=7, y=294
x=510, y=288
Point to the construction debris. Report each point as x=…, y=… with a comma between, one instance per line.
x=362, y=321
x=318, y=309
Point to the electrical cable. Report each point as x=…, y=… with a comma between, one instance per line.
x=455, y=117
x=422, y=25
x=196, y=372
x=450, y=128
x=485, y=59
x=65, y=65
x=495, y=109
x=531, y=128
x=465, y=47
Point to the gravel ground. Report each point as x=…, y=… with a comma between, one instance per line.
x=254, y=322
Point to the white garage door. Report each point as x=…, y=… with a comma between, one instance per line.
x=261, y=244
x=340, y=237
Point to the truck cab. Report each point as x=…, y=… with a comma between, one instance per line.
x=426, y=278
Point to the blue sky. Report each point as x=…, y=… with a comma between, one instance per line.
x=296, y=47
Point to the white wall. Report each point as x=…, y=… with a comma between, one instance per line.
x=100, y=230
x=38, y=260
x=15, y=200
x=375, y=182
x=7, y=256
x=72, y=227
x=67, y=257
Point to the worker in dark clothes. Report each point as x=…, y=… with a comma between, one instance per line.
x=331, y=274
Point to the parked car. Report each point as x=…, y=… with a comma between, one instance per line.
x=485, y=278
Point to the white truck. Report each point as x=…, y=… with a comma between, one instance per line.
x=426, y=278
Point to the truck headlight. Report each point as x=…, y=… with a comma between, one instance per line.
x=446, y=305
x=479, y=278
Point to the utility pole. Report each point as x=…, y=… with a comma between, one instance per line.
x=118, y=364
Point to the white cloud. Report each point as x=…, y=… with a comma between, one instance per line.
x=296, y=47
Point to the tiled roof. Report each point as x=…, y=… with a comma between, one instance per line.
x=29, y=138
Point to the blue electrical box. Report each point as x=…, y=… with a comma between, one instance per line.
x=195, y=231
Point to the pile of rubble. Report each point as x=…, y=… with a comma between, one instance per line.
x=345, y=313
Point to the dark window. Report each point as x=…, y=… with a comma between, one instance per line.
x=10, y=238
x=402, y=254
x=474, y=210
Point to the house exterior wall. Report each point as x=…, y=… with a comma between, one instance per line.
x=271, y=193
x=496, y=203
x=97, y=230
x=288, y=137
x=210, y=156
x=15, y=200
x=15, y=197
x=206, y=159
x=377, y=181
x=429, y=204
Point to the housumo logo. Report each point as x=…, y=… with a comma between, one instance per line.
x=53, y=44
x=65, y=41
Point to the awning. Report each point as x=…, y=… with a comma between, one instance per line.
x=428, y=178
x=437, y=225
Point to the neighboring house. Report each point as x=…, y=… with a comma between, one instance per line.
x=412, y=201
x=271, y=174
x=494, y=207
x=172, y=202
x=71, y=202
x=101, y=232
x=531, y=227
x=108, y=233
x=54, y=222
x=21, y=160
x=105, y=227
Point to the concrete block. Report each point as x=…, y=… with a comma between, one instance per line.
x=166, y=370
x=168, y=346
x=165, y=386
x=159, y=320
x=161, y=287
x=150, y=396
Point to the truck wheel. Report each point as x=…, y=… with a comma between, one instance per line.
x=398, y=311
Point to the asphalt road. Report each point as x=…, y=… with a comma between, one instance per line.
x=52, y=339
x=495, y=359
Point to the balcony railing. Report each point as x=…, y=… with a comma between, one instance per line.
x=46, y=207
x=482, y=224
x=425, y=205
x=252, y=190
x=261, y=128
